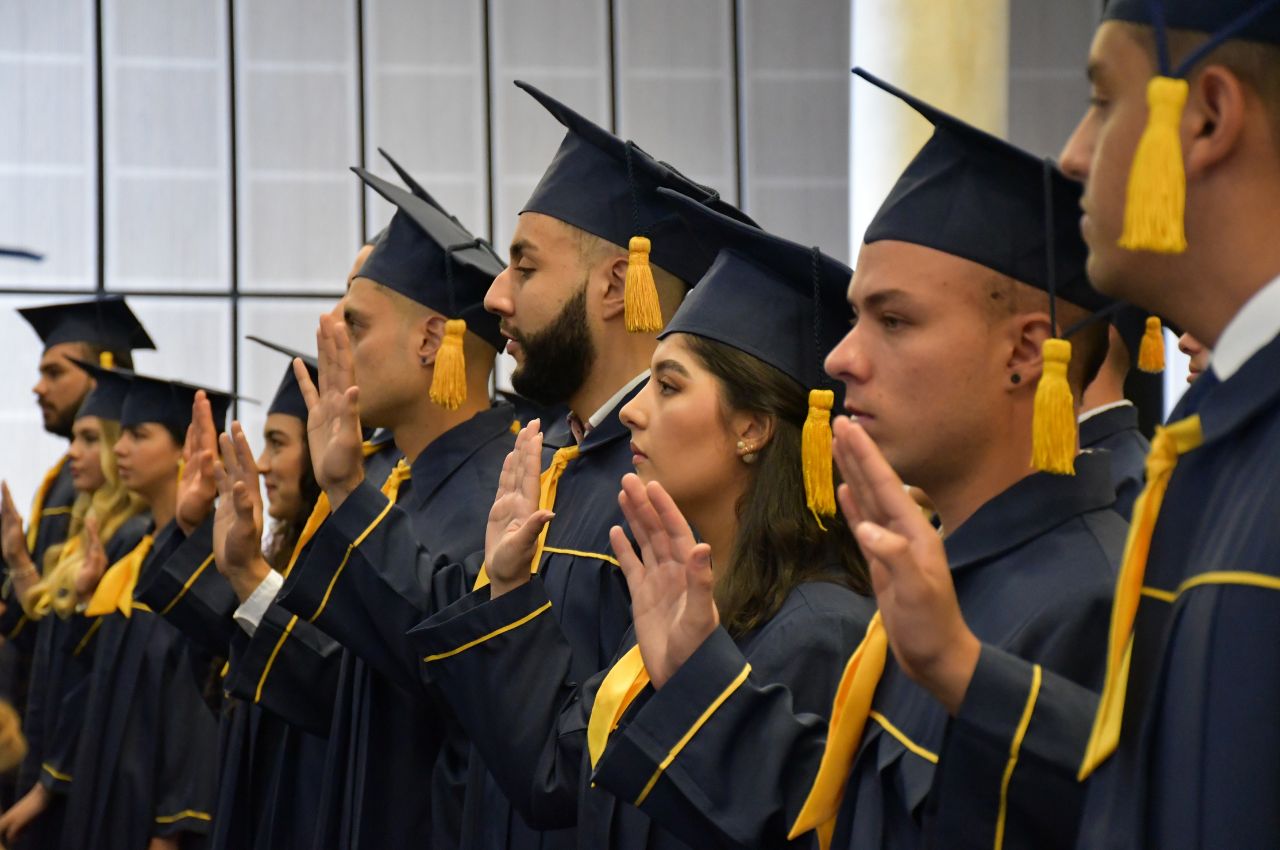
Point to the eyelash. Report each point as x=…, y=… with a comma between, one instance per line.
x=524, y=272
x=665, y=388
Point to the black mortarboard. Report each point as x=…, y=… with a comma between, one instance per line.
x=288, y=398
x=106, y=399
x=427, y=255
x=1249, y=20
x=778, y=301
x=1156, y=196
x=972, y=195
x=167, y=402
x=21, y=254
x=408, y=179
x=106, y=322
x=606, y=186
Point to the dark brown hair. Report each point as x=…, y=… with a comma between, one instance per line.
x=285, y=532
x=779, y=544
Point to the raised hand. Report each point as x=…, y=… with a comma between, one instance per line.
x=95, y=561
x=511, y=537
x=13, y=540
x=237, y=523
x=909, y=571
x=197, y=489
x=333, y=420
x=672, y=602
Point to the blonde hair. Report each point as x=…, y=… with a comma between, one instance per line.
x=112, y=504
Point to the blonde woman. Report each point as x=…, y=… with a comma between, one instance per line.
x=107, y=521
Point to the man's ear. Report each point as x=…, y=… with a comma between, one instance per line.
x=430, y=338
x=1216, y=110
x=612, y=277
x=1028, y=332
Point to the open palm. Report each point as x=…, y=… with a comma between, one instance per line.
x=515, y=521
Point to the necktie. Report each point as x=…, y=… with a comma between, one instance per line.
x=115, y=590
x=548, y=484
x=1169, y=443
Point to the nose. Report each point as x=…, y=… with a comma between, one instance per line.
x=635, y=413
x=846, y=362
x=1077, y=154
x=263, y=462
x=497, y=299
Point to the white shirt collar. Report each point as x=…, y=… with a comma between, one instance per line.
x=1257, y=323
x=1103, y=408
x=607, y=408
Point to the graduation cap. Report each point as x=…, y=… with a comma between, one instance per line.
x=21, y=254
x=428, y=256
x=288, y=398
x=106, y=399
x=151, y=399
x=414, y=186
x=1155, y=208
x=106, y=322
x=780, y=302
x=606, y=186
x=975, y=196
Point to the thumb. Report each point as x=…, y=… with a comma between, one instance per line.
x=240, y=499
x=527, y=535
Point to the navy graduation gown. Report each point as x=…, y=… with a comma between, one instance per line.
x=391, y=583
x=1034, y=570
x=395, y=764
x=268, y=772
x=1116, y=432
x=55, y=705
x=145, y=764
x=529, y=722
x=1197, y=761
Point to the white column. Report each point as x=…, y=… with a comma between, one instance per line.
x=951, y=53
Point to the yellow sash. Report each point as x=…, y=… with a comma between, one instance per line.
x=1177, y=439
x=849, y=712
x=621, y=685
x=115, y=590
x=37, y=504
x=547, y=486
x=321, y=512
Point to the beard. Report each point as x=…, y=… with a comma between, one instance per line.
x=60, y=422
x=558, y=357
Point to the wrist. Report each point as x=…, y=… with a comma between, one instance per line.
x=500, y=586
x=947, y=676
x=338, y=491
x=245, y=581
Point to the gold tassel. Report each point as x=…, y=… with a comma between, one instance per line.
x=1151, y=351
x=1157, y=195
x=449, y=384
x=643, y=312
x=1053, y=427
x=107, y=360
x=815, y=455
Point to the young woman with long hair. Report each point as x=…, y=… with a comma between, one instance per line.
x=105, y=514
x=720, y=452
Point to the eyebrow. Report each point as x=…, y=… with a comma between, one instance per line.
x=520, y=248
x=671, y=366
x=884, y=297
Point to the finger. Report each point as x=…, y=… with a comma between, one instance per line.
x=222, y=479
x=207, y=433
x=342, y=351
x=6, y=499
x=632, y=568
x=244, y=454
x=324, y=354
x=242, y=502
x=848, y=506
x=850, y=471
x=891, y=499
x=91, y=530
x=700, y=587
x=629, y=500
x=507, y=476
x=204, y=463
x=673, y=521
x=309, y=393
x=189, y=443
x=646, y=518
x=891, y=550
x=351, y=408
x=531, y=484
x=228, y=451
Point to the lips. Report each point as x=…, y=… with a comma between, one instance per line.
x=636, y=454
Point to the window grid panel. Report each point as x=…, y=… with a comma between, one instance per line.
x=48, y=142
x=167, y=146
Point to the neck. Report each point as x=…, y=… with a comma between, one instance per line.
x=614, y=367
x=716, y=524
x=163, y=503
x=428, y=421
x=981, y=479
x=1107, y=388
